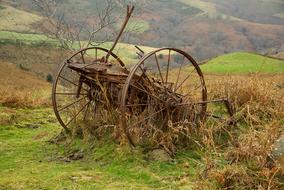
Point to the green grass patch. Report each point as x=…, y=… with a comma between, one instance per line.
x=7, y=37
x=29, y=161
x=242, y=62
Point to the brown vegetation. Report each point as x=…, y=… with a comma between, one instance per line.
x=21, y=88
x=38, y=60
x=245, y=149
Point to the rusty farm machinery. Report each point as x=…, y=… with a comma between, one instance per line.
x=166, y=85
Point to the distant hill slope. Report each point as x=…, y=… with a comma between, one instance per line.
x=206, y=28
x=258, y=11
x=243, y=62
x=14, y=78
x=21, y=88
x=209, y=9
x=13, y=19
x=126, y=51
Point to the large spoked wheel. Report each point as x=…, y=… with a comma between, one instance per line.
x=76, y=97
x=165, y=87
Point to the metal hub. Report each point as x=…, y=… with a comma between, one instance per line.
x=93, y=94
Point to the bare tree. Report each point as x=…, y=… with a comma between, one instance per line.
x=68, y=30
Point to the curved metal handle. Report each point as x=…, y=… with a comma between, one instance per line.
x=130, y=10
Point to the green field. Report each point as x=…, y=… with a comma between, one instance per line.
x=242, y=62
x=26, y=38
x=29, y=161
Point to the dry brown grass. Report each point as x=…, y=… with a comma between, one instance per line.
x=38, y=60
x=245, y=149
x=20, y=88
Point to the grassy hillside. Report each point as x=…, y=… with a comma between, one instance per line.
x=26, y=38
x=17, y=20
x=208, y=8
x=263, y=11
x=19, y=87
x=242, y=62
x=24, y=80
x=126, y=51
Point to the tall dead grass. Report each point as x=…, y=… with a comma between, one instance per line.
x=20, y=88
x=24, y=98
x=246, y=148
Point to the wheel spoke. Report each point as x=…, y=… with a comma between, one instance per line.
x=189, y=93
x=147, y=78
x=77, y=113
x=71, y=82
x=160, y=73
x=146, y=92
x=168, y=65
x=149, y=116
x=67, y=106
x=183, y=81
x=86, y=111
x=179, y=72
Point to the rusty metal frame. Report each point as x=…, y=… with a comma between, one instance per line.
x=124, y=82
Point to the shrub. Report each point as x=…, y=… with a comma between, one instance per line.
x=49, y=78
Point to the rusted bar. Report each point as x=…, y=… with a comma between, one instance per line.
x=130, y=10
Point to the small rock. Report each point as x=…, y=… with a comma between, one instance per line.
x=29, y=126
x=61, y=137
x=74, y=156
x=32, y=126
x=159, y=155
x=278, y=147
x=74, y=178
x=278, y=152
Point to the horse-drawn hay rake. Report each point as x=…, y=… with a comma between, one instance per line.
x=166, y=85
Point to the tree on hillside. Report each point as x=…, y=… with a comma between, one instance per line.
x=62, y=23
x=68, y=29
